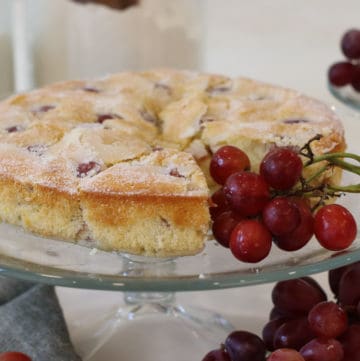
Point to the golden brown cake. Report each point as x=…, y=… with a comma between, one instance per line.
x=122, y=161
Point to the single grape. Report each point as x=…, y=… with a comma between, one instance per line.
x=349, y=290
x=101, y=118
x=217, y=355
x=245, y=346
x=352, y=315
x=250, y=241
x=14, y=356
x=350, y=44
x=296, y=296
x=247, y=193
x=226, y=161
x=335, y=227
x=315, y=284
x=281, y=168
x=276, y=313
x=281, y=216
x=328, y=320
x=293, y=334
x=87, y=169
x=322, y=350
x=302, y=234
x=355, y=80
x=269, y=331
x=223, y=226
x=341, y=73
x=334, y=277
x=351, y=343
x=285, y=354
x=220, y=203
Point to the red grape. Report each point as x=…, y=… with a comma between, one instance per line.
x=269, y=331
x=281, y=168
x=226, y=161
x=220, y=203
x=302, y=234
x=14, y=356
x=312, y=282
x=350, y=44
x=217, y=355
x=322, y=350
x=351, y=343
x=281, y=216
x=293, y=334
x=296, y=296
x=355, y=81
x=340, y=74
x=101, y=118
x=223, y=226
x=334, y=277
x=247, y=193
x=88, y=169
x=335, y=227
x=276, y=313
x=349, y=290
x=285, y=354
x=245, y=346
x=328, y=320
x=250, y=241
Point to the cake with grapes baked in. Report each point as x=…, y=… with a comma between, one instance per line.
x=122, y=161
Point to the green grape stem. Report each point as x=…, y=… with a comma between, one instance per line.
x=324, y=191
x=353, y=188
x=337, y=160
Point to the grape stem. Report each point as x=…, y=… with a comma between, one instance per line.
x=324, y=191
x=317, y=174
x=337, y=159
x=328, y=156
x=353, y=188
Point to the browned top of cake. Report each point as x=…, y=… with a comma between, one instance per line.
x=64, y=134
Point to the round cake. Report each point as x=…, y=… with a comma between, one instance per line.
x=122, y=161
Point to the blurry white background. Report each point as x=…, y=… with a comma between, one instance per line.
x=287, y=42
x=290, y=43
x=6, y=68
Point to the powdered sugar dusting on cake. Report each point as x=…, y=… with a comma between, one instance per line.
x=120, y=134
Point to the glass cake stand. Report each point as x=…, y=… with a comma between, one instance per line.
x=347, y=95
x=149, y=284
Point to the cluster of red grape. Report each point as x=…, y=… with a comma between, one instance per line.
x=14, y=356
x=304, y=325
x=348, y=72
x=251, y=211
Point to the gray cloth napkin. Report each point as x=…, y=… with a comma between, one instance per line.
x=31, y=321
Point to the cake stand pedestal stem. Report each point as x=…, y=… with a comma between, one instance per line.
x=151, y=326
x=141, y=298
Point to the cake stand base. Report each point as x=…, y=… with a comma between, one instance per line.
x=151, y=327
